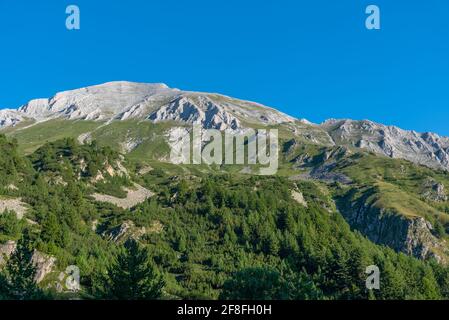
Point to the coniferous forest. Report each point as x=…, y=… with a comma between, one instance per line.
x=201, y=235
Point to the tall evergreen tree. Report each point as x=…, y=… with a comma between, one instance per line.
x=133, y=276
x=18, y=279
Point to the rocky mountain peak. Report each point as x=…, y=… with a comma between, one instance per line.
x=122, y=100
x=423, y=148
x=156, y=102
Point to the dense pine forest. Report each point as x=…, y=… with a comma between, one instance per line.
x=201, y=235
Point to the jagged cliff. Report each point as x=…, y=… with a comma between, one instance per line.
x=410, y=234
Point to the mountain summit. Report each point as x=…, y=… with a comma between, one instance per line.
x=157, y=103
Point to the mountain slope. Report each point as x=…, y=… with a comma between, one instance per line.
x=203, y=230
x=329, y=212
x=157, y=103
x=423, y=148
x=135, y=120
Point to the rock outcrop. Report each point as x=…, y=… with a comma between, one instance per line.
x=135, y=196
x=298, y=197
x=6, y=250
x=15, y=205
x=126, y=230
x=410, y=235
x=427, y=149
x=43, y=263
x=434, y=191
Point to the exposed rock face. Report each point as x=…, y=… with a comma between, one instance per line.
x=99, y=102
x=410, y=235
x=12, y=187
x=10, y=118
x=134, y=197
x=43, y=263
x=15, y=205
x=127, y=230
x=325, y=165
x=6, y=250
x=116, y=169
x=204, y=112
x=130, y=144
x=144, y=170
x=298, y=197
x=427, y=149
x=324, y=173
x=123, y=100
x=434, y=191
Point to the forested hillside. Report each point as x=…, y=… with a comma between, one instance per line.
x=206, y=234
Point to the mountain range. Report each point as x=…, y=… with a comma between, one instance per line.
x=119, y=101
x=88, y=169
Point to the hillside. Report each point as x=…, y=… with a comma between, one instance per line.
x=89, y=171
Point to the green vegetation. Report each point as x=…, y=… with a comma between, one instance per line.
x=10, y=227
x=17, y=282
x=132, y=276
x=31, y=138
x=209, y=233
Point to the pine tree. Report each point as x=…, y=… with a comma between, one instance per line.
x=133, y=275
x=19, y=274
x=4, y=287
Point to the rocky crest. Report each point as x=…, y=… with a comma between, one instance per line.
x=155, y=102
x=121, y=100
x=410, y=235
x=427, y=149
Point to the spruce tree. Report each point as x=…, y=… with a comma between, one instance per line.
x=19, y=274
x=133, y=275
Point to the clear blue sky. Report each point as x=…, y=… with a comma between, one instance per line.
x=311, y=59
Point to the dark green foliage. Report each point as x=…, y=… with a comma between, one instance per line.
x=269, y=284
x=114, y=186
x=439, y=229
x=68, y=158
x=255, y=284
x=220, y=227
x=17, y=280
x=10, y=226
x=11, y=163
x=220, y=235
x=133, y=276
